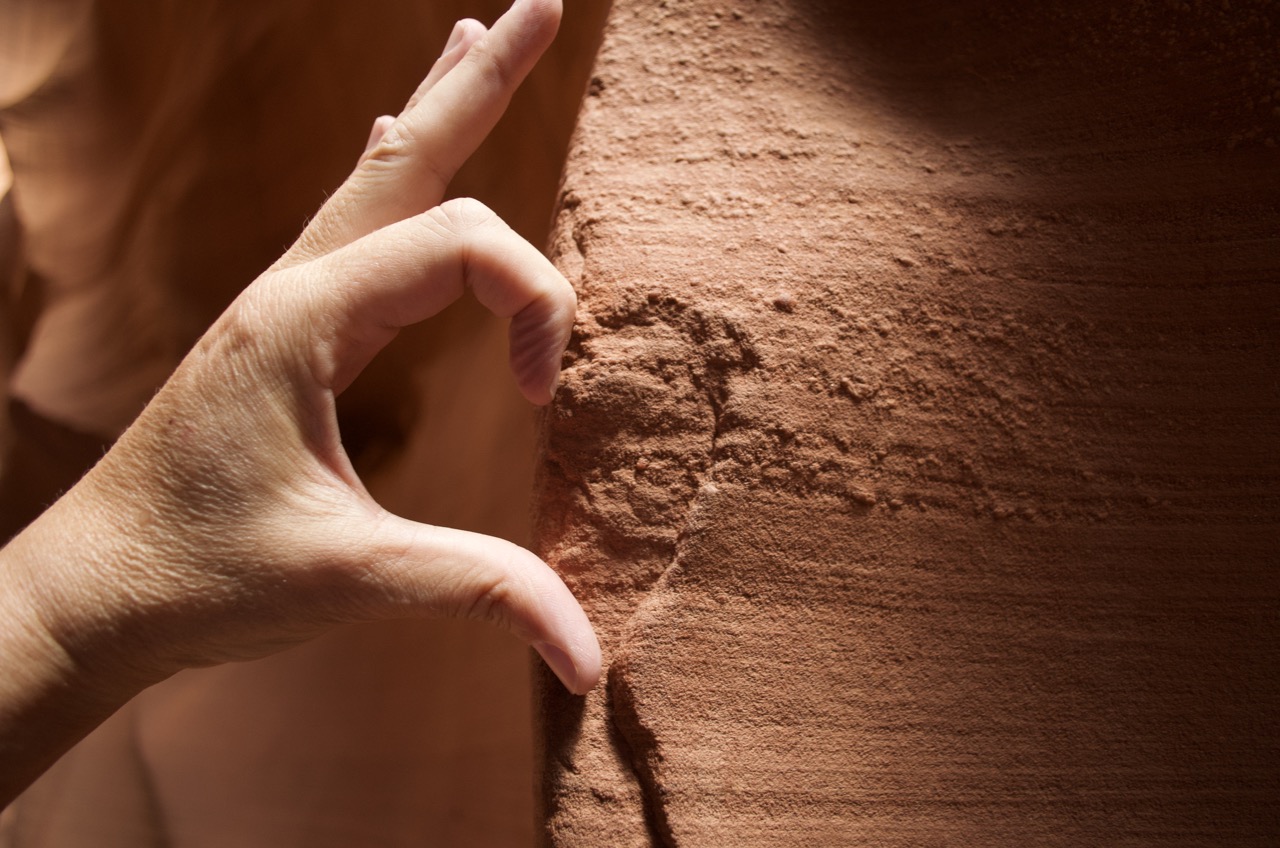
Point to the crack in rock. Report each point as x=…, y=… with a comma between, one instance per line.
x=636, y=741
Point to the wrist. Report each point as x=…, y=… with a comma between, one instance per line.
x=72, y=643
x=37, y=684
x=50, y=697
x=80, y=573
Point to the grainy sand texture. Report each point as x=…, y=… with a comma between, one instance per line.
x=917, y=452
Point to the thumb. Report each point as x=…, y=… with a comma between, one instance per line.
x=421, y=569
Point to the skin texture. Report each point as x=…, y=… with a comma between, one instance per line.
x=227, y=522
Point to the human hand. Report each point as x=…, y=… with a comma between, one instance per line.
x=227, y=522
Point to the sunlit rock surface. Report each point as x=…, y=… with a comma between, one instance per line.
x=917, y=455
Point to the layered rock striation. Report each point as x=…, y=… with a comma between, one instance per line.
x=916, y=454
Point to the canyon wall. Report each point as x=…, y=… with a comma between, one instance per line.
x=916, y=455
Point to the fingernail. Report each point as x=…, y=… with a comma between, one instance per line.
x=455, y=38
x=555, y=384
x=559, y=662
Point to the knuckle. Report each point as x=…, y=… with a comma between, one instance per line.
x=398, y=152
x=396, y=144
x=569, y=294
x=237, y=340
x=488, y=599
x=498, y=593
x=492, y=66
x=465, y=213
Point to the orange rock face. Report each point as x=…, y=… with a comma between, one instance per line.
x=917, y=453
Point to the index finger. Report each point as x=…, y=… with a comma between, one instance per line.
x=408, y=171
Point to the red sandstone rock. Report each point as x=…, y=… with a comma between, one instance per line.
x=916, y=457
x=917, y=451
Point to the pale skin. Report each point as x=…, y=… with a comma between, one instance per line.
x=227, y=523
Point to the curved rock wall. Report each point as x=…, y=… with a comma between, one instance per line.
x=916, y=457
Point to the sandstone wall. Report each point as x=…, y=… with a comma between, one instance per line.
x=917, y=453
x=916, y=458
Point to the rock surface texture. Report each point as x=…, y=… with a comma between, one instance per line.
x=917, y=454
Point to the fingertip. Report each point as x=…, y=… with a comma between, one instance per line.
x=441, y=570
x=537, y=20
x=536, y=366
x=549, y=12
x=560, y=663
x=533, y=382
x=590, y=665
x=579, y=675
x=466, y=34
x=538, y=337
x=467, y=31
x=535, y=396
x=546, y=12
